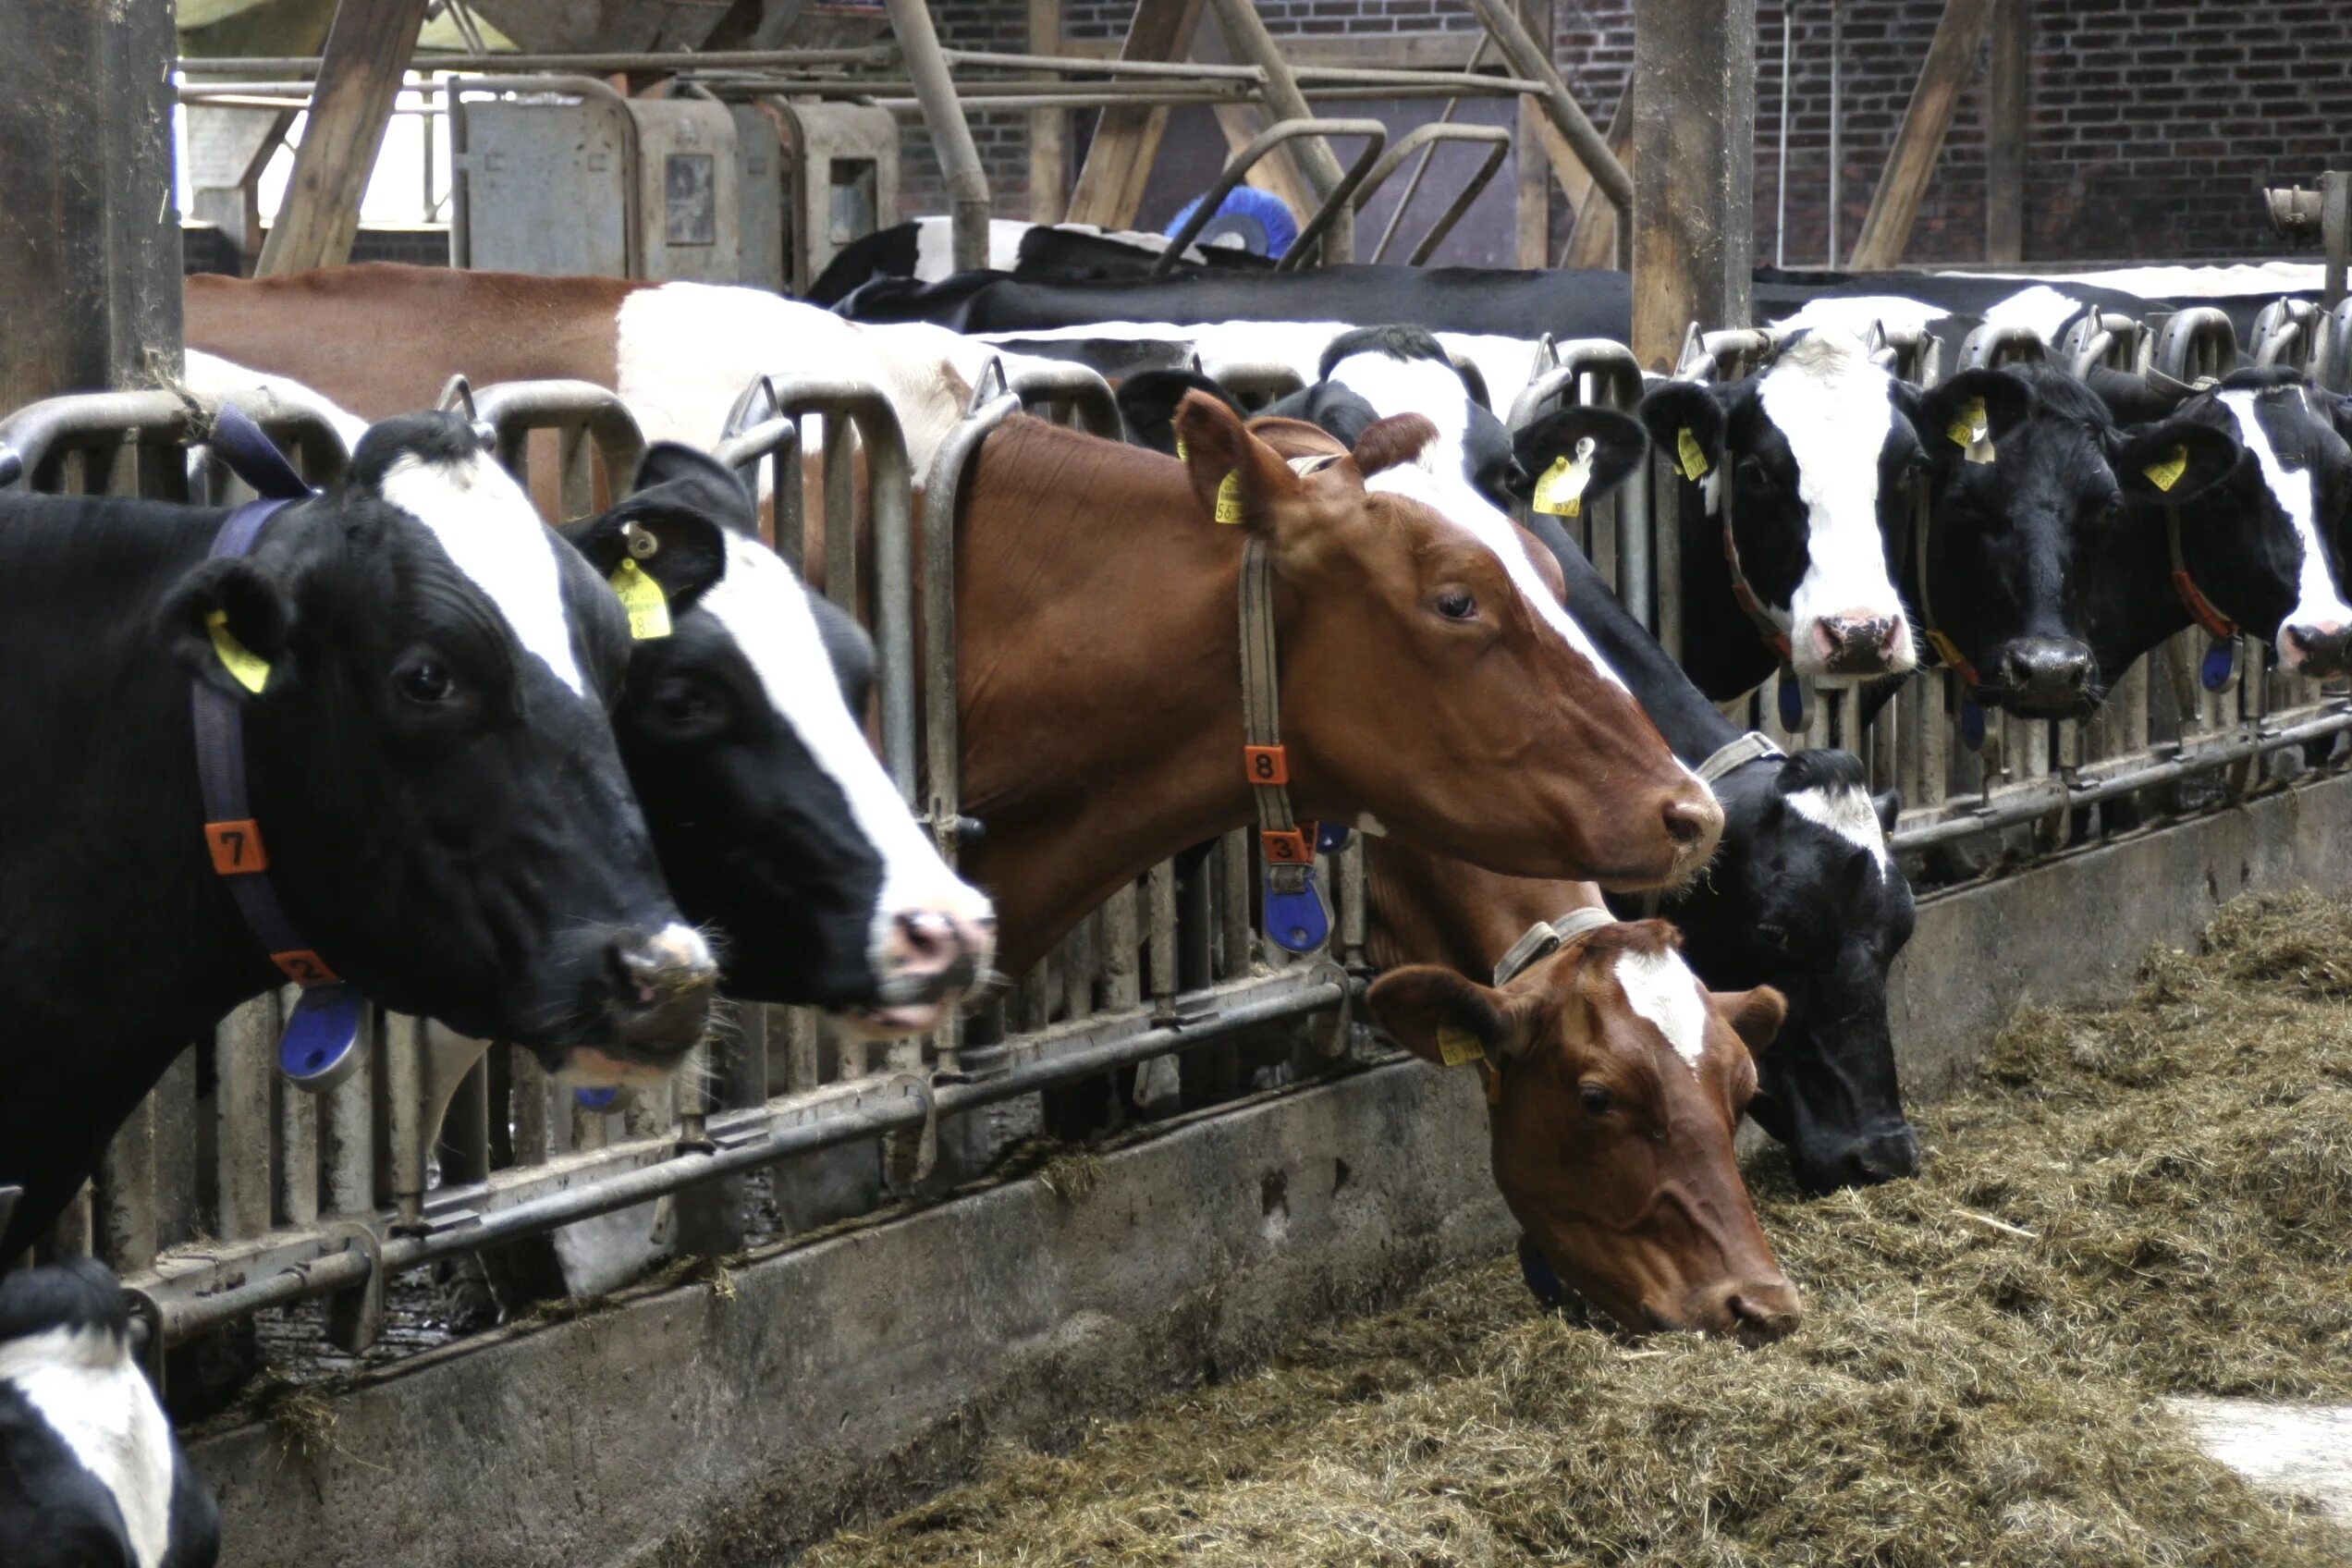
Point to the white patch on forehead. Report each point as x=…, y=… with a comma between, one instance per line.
x=2317, y=602
x=1439, y=479
x=81, y=1382
x=1845, y=811
x=482, y=518
x=1833, y=407
x=2041, y=309
x=765, y=609
x=1660, y=988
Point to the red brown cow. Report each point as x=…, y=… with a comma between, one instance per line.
x=1100, y=681
x=1614, y=1083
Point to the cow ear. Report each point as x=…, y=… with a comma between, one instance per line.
x=2174, y=460
x=1887, y=804
x=1675, y=408
x=1236, y=477
x=1755, y=1016
x=1444, y=1017
x=1946, y=417
x=675, y=529
x=1618, y=444
x=230, y=624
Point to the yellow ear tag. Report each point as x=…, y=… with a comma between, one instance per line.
x=643, y=597
x=1182, y=456
x=1457, y=1048
x=1972, y=431
x=2166, y=475
x=1229, y=499
x=246, y=668
x=1561, y=491
x=1694, y=460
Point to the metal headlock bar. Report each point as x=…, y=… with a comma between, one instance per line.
x=1375, y=137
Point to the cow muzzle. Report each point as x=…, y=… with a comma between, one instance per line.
x=2315, y=648
x=2042, y=678
x=1878, y=1154
x=1859, y=645
x=659, y=989
x=1755, y=1311
x=931, y=956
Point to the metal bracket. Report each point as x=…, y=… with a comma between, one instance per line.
x=909, y=1154
x=355, y=1317
x=147, y=1313
x=1331, y=1040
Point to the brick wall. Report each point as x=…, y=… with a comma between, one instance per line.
x=1002, y=138
x=2153, y=120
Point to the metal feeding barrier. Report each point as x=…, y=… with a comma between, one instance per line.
x=446, y=1147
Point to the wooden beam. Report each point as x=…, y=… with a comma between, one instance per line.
x=2008, y=115
x=1246, y=36
x=367, y=49
x=1694, y=90
x=1048, y=128
x=1534, y=163
x=88, y=239
x=1119, y=161
x=1951, y=60
x=1278, y=172
x=1593, y=242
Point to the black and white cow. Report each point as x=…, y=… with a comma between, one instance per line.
x=90, y=1472
x=1803, y=896
x=776, y=823
x=2259, y=514
x=421, y=670
x=1790, y=482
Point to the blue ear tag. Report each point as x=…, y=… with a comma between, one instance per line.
x=1972, y=725
x=1332, y=837
x=2220, y=665
x=321, y=1046
x=1536, y=1270
x=1796, y=710
x=596, y=1099
x=1296, y=922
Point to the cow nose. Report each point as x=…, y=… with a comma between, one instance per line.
x=2045, y=677
x=662, y=989
x=1755, y=1311
x=931, y=954
x=1694, y=821
x=2314, y=647
x=1890, y=1153
x=1857, y=644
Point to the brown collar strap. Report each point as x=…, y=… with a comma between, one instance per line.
x=1548, y=936
x=1767, y=624
x=2200, y=608
x=1946, y=650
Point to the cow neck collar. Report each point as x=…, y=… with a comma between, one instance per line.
x=320, y=1046
x=1296, y=918
x=1548, y=936
x=2221, y=628
x=1946, y=650
x=1768, y=625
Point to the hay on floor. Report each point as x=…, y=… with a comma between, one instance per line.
x=2150, y=1200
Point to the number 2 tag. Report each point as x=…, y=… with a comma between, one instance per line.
x=1561, y=491
x=642, y=596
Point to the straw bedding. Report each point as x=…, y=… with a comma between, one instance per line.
x=2150, y=1200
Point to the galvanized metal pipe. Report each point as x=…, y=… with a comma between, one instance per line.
x=967, y=181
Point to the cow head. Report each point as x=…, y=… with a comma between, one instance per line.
x=446, y=818
x=774, y=820
x=1818, y=454
x=89, y=1471
x=1391, y=591
x=2259, y=541
x=2029, y=482
x=1615, y=1083
x=1804, y=898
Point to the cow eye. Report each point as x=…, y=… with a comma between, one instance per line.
x=1773, y=937
x=1457, y=604
x=426, y=681
x=1598, y=1102
x=687, y=707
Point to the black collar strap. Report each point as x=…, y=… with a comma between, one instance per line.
x=320, y=1047
x=1546, y=938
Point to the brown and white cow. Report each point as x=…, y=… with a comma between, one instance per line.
x=1614, y=1083
x=1100, y=685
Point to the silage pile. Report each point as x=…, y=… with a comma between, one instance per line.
x=2148, y=1200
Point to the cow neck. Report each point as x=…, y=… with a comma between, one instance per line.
x=1760, y=615
x=1099, y=675
x=2138, y=601
x=1430, y=909
x=1947, y=651
x=2200, y=609
x=1693, y=726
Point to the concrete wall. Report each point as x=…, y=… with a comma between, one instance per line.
x=699, y=1426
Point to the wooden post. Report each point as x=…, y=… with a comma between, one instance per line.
x=1951, y=60
x=1694, y=92
x=1278, y=172
x=1048, y=128
x=2008, y=115
x=1583, y=140
x=1110, y=184
x=1593, y=241
x=89, y=237
x=367, y=50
